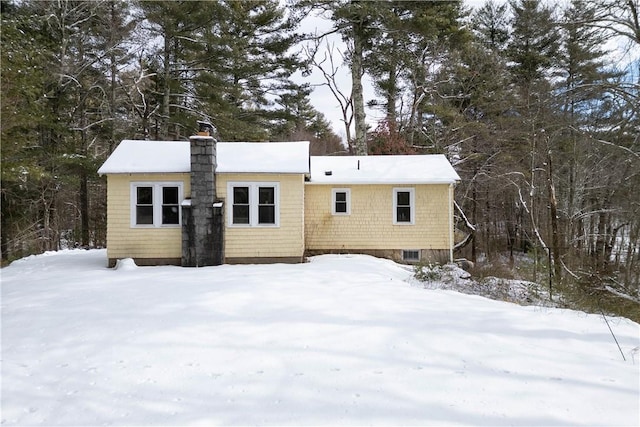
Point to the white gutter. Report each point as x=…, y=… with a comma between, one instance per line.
x=378, y=182
x=451, y=237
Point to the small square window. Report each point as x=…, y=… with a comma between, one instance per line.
x=403, y=198
x=266, y=195
x=145, y=195
x=266, y=214
x=411, y=255
x=144, y=215
x=241, y=214
x=241, y=195
x=169, y=195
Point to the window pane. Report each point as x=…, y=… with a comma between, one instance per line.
x=266, y=205
x=170, y=208
x=170, y=215
x=169, y=195
x=341, y=196
x=144, y=195
x=403, y=198
x=266, y=195
x=144, y=205
x=241, y=195
x=404, y=214
x=144, y=214
x=240, y=214
x=341, y=207
x=266, y=215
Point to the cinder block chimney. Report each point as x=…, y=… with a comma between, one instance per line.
x=202, y=218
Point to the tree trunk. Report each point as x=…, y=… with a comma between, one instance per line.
x=553, y=212
x=4, y=229
x=474, y=217
x=84, y=208
x=601, y=239
x=113, y=69
x=357, y=95
x=164, y=114
x=392, y=93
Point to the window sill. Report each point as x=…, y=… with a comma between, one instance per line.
x=253, y=226
x=151, y=226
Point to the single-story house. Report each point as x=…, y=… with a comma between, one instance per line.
x=203, y=202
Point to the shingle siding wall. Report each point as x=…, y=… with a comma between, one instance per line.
x=285, y=241
x=123, y=241
x=306, y=221
x=370, y=224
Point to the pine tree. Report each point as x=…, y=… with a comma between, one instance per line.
x=67, y=114
x=491, y=25
x=115, y=35
x=591, y=111
x=24, y=114
x=177, y=24
x=246, y=63
x=357, y=21
x=474, y=107
x=408, y=31
x=534, y=41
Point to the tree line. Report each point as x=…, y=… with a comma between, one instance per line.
x=80, y=76
x=535, y=103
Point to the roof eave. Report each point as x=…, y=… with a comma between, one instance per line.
x=345, y=182
x=138, y=172
x=264, y=172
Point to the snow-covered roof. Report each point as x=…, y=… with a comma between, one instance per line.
x=418, y=169
x=262, y=157
x=134, y=156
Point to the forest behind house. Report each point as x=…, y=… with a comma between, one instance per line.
x=535, y=103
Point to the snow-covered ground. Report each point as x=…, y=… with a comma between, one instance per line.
x=342, y=340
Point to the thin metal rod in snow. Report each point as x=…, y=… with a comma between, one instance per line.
x=613, y=335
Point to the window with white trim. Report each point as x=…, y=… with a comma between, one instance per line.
x=341, y=201
x=404, y=206
x=254, y=204
x=156, y=204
